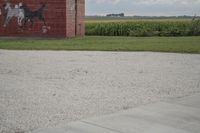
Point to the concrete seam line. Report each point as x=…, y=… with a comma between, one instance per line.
x=101, y=126
x=180, y=104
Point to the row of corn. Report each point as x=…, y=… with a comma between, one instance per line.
x=144, y=28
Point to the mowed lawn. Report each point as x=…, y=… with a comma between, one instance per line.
x=96, y=43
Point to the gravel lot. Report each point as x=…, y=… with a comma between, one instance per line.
x=40, y=89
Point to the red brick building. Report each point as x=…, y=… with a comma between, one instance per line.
x=43, y=18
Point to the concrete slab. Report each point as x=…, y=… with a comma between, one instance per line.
x=50, y=130
x=177, y=116
x=164, y=129
x=77, y=127
x=142, y=119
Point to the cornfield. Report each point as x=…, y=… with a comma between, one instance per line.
x=144, y=28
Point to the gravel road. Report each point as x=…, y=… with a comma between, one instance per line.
x=40, y=89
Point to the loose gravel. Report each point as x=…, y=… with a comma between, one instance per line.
x=40, y=89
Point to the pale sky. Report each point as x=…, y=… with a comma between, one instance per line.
x=143, y=7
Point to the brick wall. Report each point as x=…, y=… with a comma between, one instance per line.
x=62, y=19
x=71, y=17
x=80, y=25
x=75, y=18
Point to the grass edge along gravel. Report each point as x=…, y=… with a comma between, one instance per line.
x=106, y=43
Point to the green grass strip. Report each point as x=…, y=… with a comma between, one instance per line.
x=96, y=43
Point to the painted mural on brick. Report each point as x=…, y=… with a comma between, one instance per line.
x=24, y=14
x=48, y=18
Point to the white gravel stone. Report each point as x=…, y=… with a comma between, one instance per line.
x=40, y=89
